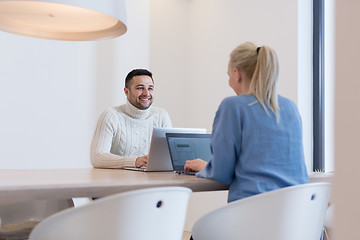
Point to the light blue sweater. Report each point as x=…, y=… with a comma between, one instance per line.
x=252, y=152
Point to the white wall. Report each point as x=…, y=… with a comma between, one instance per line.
x=347, y=119
x=190, y=42
x=305, y=76
x=169, y=43
x=52, y=92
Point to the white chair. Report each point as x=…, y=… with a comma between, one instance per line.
x=19, y=218
x=291, y=213
x=153, y=213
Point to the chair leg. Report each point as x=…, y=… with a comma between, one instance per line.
x=322, y=234
x=326, y=235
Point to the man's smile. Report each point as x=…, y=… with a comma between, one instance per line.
x=145, y=99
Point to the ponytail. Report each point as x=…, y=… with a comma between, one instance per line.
x=261, y=65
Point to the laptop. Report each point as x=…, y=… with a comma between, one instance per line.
x=184, y=147
x=159, y=156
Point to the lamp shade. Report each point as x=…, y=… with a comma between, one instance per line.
x=73, y=20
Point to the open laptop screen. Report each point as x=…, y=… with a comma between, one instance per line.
x=183, y=146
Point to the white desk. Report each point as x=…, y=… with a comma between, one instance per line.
x=23, y=185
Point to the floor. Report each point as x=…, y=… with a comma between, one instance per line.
x=186, y=236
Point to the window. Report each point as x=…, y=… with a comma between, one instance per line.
x=316, y=81
x=318, y=86
x=323, y=85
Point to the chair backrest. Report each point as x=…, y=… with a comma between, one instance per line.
x=295, y=213
x=153, y=213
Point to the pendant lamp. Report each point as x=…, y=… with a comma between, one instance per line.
x=72, y=20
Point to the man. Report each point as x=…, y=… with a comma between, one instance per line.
x=123, y=133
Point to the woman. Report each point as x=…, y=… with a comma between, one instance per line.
x=257, y=135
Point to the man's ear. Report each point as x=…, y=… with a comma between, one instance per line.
x=126, y=90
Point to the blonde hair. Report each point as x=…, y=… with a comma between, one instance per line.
x=262, y=67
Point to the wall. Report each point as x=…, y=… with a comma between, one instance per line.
x=305, y=75
x=347, y=119
x=190, y=42
x=169, y=56
x=52, y=92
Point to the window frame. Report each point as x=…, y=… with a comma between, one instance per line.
x=318, y=86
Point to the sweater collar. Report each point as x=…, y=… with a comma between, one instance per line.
x=134, y=112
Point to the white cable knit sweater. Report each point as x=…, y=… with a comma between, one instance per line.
x=123, y=133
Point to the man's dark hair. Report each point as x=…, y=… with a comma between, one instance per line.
x=137, y=72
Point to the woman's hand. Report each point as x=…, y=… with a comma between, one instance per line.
x=195, y=165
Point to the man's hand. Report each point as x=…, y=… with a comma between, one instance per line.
x=195, y=165
x=141, y=161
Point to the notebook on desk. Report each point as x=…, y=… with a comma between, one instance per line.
x=159, y=156
x=184, y=147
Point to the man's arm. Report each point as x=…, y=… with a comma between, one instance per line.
x=100, y=154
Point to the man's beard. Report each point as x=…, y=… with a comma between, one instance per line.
x=138, y=105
